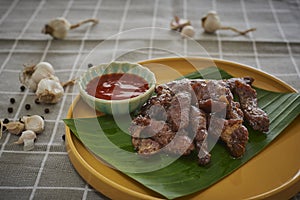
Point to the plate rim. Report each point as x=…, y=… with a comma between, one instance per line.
x=293, y=182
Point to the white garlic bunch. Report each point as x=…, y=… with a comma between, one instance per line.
x=34, y=123
x=188, y=31
x=211, y=23
x=58, y=28
x=31, y=75
x=27, y=138
x=49, y=90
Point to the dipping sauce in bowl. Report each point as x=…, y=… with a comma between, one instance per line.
x=117, y=86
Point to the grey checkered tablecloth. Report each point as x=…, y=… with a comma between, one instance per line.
x=46, y=172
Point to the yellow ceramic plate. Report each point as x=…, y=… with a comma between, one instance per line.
x=273, y=174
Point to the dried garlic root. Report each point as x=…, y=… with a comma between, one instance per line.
x=58, y=28
x=211, y=23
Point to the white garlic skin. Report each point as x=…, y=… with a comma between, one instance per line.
x=34, y=123
x=42, y=70
x=188, y=31
x=57, y=28
x=49, y=90
x=211, y=22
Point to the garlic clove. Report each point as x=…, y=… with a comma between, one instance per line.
x=34, y=123
x=42, y=70
x=188, y=31
x=211, y=22
x=27, y=138
x=58, y=28
x=49, y=90
x=15, y=127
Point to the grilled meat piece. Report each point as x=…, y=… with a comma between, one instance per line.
x=181, y=144
x=256, y=117
x=198, y=127
x=231, y=132
x=178, y=112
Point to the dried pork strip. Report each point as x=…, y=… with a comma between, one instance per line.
x=179, y=111
x=256, y=117
x=231, y=132
x=181, y=144
x=198, y=127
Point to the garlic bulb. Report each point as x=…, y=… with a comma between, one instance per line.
x=58, y=28
x=49, y=90
x=27, y=138
x=15, y=127
x=188, y=31
x=31, y=75
x=34, y=123
x=211, y=23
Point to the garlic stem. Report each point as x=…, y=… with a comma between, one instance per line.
x=95, y=21
x=68, y=83
x=236, y=30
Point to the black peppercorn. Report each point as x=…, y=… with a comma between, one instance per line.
x=10, y=109
x=27, y=106
x=22, y=88
x=90, y=65
x=12, y=100
x=63, y=137
x=46, y=110
x=37, y=101
x=5, y=121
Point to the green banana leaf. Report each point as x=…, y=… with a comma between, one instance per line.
x=104, y=137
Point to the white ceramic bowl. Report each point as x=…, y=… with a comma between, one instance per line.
x=116, y=107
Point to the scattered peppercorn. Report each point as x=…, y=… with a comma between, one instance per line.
x=90, y=65
x=37, y=101
x=63, y=137
x=46, y=110
x=10, y=109
x=27, y=106
x=5, y=121
x=22, y=88
x=12, y=100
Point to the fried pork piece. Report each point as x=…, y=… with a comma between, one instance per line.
x=256, y=117
x=181, y=144
x=198, y=127
x=179, y=111
x=232, y=132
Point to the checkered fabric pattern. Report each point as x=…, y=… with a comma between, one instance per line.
x=46, y=172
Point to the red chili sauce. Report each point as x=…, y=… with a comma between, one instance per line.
x=117, y=86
